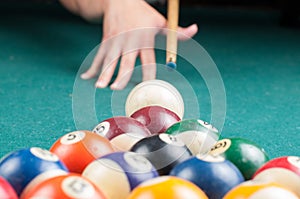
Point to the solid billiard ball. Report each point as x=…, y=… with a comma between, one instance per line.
x=77, y=149
x=154, y=92
x=281, y=176
x=156, y=118
x=163, y=151
x=198, y=135
x=6, y=190
x=259, y=190
x=22, y=166
x=167, y=187
x=119, y=125
x=213, y=174
x=68, y=186
x=291, y=163
x=247, y=156
x=118, y=173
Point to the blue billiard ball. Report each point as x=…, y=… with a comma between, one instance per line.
x=126, y=169
x=20, y=167
x=213, y=174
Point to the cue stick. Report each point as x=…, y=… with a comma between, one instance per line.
x=172, y=24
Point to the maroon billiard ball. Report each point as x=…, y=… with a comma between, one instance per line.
x=156, y=118
x=122, y=131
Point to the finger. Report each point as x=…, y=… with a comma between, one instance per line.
x=96, y=64
x=188, y=32
x=109, y=65
x=125, y=71
x=184, y=33
x=148, y=63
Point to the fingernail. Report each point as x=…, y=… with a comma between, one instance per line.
x=100, y=84
x=114, y=86
x=84, y=76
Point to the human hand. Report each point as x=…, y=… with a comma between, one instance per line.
x=124, y=17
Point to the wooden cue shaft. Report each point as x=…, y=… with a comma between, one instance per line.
x=172, y=24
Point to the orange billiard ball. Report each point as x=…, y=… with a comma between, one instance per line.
x=79, y=148
x=70, y=186
x=167, y=187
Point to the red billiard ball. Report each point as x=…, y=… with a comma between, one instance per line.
x=118, y=125
x=156, y=118
x=77, y=149
x=291, y=163
x=6, y=190
x=68, y=186
x=281, y=176
x=122, y=131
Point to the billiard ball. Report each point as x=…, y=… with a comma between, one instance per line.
x=213, y=174
x=118, y=173
x=291, y=163
x=281, y=176
x=70, y=186
x=163, y=151
x=167, y=187
x=253, y=189
x=21, y=166
x=6, y=190
x=77, y=149
x=198, y=135
x=156, y=118
x=247, y=156
x=119, y=125
x=154, y=92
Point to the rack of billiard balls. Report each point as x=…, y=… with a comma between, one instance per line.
x=152, y=152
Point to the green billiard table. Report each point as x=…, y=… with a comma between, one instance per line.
x=241, y=72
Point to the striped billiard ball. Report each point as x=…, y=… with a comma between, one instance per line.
x=117, y=174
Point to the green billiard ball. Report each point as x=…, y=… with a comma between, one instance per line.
x=247, y=156
x=199, y=136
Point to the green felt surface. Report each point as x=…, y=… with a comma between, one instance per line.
x=43, y=48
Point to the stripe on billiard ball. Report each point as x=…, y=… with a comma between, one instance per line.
x=126, y=169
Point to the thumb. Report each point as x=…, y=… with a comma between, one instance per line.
x=187, y=32
x=184, y=33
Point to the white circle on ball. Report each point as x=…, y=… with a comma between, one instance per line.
x=44, y=154
x=77, y=187
x=72, y=138
x=208, y=126
x=102, y=128
x=170, y=139
x=138, y=162
x=211, y=158
x=294, y=160
x=220, y=147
